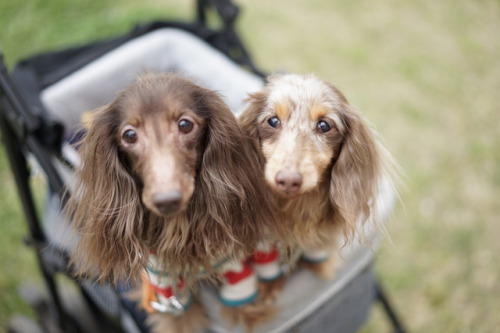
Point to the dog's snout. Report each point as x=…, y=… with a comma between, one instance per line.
x=167, y=202
x=288, y=181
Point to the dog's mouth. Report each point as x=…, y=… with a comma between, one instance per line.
x=166, y=203
x=286, y=195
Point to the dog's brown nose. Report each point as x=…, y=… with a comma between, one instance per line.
x=167, y=202
x=288, y=181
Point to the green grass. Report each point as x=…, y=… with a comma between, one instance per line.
x=425, y=73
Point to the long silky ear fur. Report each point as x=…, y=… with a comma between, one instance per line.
x=355, y=173
x=248, y=120
x=230, y=197
x=105, y=206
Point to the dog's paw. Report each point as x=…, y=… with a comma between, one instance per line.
x=325, y=269
x=194, y=320
x=250, y=315
x=269, y=290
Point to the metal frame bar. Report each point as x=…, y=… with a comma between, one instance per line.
x=388, y=308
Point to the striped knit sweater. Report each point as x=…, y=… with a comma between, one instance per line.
x=239, y=280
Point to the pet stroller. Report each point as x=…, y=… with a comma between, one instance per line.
x=43, y=98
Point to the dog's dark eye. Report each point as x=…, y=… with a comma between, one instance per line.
x=274, y=122
x=323, y=127
x=130, y=136
x=185, y=126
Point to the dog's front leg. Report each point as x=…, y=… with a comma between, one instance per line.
x=323, y=263
x=240, y=296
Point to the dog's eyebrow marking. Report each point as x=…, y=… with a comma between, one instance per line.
x=282, y=110
x=133, y=121
x=318, y=111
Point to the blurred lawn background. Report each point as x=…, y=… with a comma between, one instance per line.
x=425, y=73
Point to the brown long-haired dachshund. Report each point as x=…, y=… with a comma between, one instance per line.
x=169, y=185
x=322, y=162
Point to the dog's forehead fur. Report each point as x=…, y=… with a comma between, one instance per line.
x=302, y=99
x=155, y=103
x=150, y=97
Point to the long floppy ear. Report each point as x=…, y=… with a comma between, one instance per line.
x=230, y=200
x=248, y=119
x=105, y=205
x=255, y=103
x=354, y=178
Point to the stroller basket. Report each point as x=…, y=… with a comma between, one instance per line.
x=42, y=100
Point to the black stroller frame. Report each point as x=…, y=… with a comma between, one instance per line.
x=27, y=130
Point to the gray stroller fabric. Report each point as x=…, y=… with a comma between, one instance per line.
x=164, y=50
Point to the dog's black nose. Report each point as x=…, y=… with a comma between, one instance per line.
x=288, y=181
x=167, y=202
